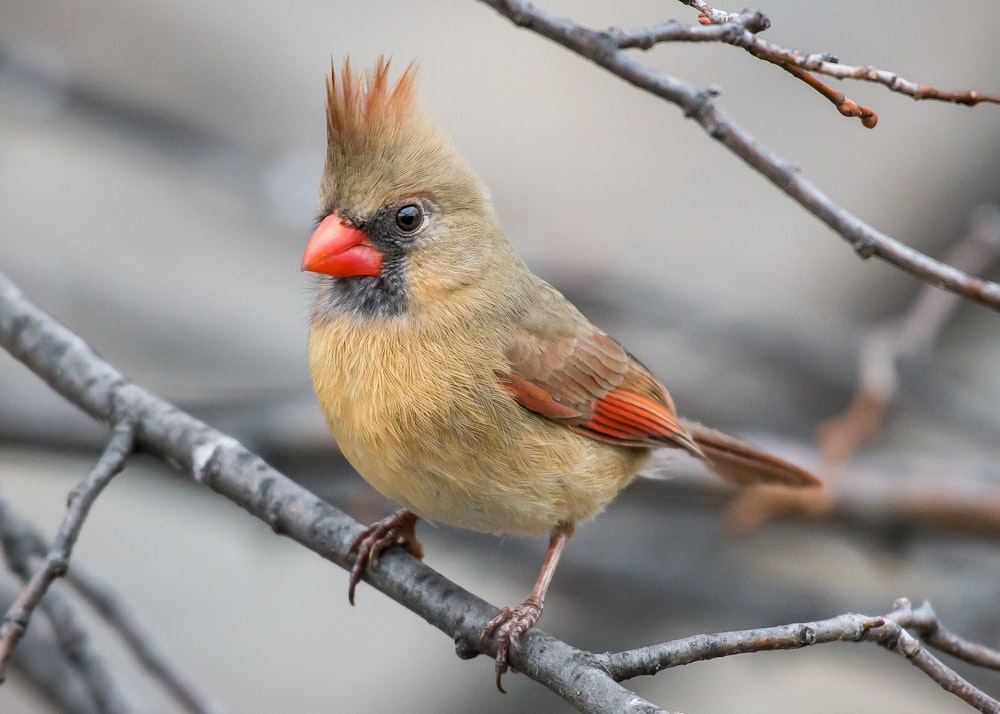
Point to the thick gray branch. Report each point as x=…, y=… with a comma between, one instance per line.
x=72, y=368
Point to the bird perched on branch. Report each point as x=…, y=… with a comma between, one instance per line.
x=458, y=383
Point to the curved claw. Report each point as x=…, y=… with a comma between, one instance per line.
x=508, y=626
x=397, y=528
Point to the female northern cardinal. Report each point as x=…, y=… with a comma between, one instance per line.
x=458, y=383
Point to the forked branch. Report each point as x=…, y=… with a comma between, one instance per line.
x=587, y=681
x=698, y=103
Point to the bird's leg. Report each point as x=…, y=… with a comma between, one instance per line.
x=511, y=623
x=397, y=528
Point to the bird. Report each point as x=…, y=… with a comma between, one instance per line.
x=459, y=384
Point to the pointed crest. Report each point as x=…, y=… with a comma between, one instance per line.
x=382, y=144
x=366, y=103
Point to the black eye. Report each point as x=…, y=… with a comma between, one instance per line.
x=409, y=217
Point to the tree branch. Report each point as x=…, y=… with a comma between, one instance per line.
x=56, y=561
x=587, y=681
x=924, y=622
x=741, y=30
x=888, y=631
x=893, y=637
x=73, y=369
x=114, y=612
x=24, y=541
x=697, y=103
x=699, y=648
x=18, y=541
x=40, y=662
x=906, y=337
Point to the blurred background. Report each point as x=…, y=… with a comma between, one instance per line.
x=159, y=165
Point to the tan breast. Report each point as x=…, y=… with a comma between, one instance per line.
x=422, y=418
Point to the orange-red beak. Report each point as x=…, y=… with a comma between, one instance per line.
x=341, y=250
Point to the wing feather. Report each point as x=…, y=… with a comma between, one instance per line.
x=563, y=368
x=591, y=384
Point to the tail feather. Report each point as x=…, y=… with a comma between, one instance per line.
x=743, y=464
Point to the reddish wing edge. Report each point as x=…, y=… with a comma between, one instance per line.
x=591, y=385
x=630, y=419
x=619, y=417
x=594, y=387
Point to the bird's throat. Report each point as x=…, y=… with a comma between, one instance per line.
x=365, y=296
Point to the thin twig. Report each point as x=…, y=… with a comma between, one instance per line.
x=75, y=643
x=699, y=648
x=113, y=611
x=741, y=30
x=844, y=104
x=892, y=636
x=714, y=16
x=697, y=103
x=41, y=664
x=56, y=561
x=888, y=631
x=20, y=548
x=924, y=622
x=646, y=38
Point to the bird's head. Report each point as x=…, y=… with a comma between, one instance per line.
x=403, y=220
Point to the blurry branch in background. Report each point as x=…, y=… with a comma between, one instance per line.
x=40, y=663
x=906, y=338
x=607, y=49
x=37, y=567
x=37, y=578
x=587, y=681
x=118, y=617
x=23, y=556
